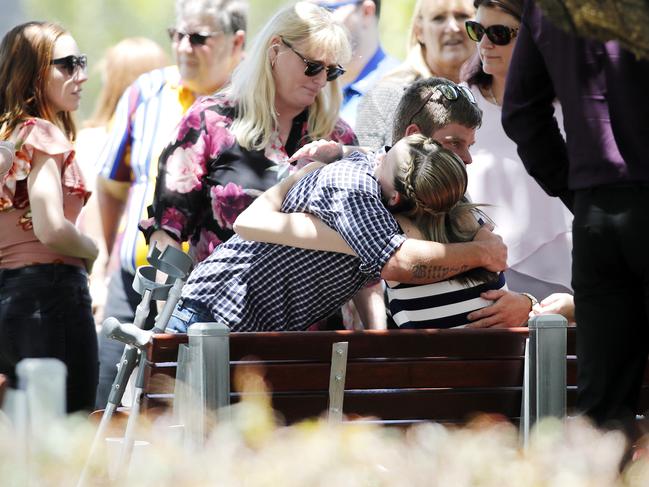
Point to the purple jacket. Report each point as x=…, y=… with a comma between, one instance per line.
x=604, y=95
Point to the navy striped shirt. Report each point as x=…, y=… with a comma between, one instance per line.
x=444, y=304
x=255, y=286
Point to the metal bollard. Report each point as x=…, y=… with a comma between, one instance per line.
x=546, y=376
x=209, y=374
x=43, y=380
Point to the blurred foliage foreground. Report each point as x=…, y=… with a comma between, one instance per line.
x=252, y=449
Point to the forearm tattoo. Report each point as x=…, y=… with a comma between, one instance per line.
x=437, y=272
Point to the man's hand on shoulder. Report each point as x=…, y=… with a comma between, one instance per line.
x=494, y=249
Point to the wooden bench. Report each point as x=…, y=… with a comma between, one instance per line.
x=400, y=376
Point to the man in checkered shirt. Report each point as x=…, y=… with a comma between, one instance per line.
x=254, y=286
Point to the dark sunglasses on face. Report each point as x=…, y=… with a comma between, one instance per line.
x=71, y=63
x=501, y=35
x=195, y=38
x=451, y=92
x=313, y=68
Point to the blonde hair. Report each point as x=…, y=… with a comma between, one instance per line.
x=415, y=66
x=120, y=66
x=25, y=56
x=256, y=117
x=432, y=183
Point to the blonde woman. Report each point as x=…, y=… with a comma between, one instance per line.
x=44, y=259
x=438, y=46
x=232, y=146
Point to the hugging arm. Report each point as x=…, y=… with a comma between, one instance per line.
x=263, y=221
x=423, y=262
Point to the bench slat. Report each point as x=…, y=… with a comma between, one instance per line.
x=364, y=375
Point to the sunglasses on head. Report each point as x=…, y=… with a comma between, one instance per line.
x=71, y=63
x=336, y=5
x=501, y=35
x=313, y=68
x=451, y=92
x=195, y=38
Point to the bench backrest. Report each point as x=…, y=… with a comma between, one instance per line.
x=397, y=376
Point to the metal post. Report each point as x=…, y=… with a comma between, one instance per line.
x=525, y=401
x=337, y=381
x=43, y=380
x=209, y=377
x=547, y=377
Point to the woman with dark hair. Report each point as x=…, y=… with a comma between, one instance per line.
x=44, y=259
x=535, y=227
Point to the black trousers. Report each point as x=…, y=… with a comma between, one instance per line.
x=45, y=311
x=611, y=283
x=121, y=302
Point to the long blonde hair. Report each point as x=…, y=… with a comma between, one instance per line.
x=253, y=85
x=25, y=57
x=432, y=183
x=120, y=66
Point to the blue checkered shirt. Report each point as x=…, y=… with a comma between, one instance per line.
x=254, y=286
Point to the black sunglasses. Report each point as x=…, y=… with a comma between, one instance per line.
x=501, y=35
x=71, y=63
x=451, y=92
x=313, y=68
x=195, y=38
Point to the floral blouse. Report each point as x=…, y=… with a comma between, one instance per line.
x=206, y=179
x=19, y=246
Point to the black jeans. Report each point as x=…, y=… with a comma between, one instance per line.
x=610, y=277
x=45, y=311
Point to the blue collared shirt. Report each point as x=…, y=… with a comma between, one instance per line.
x=377, y=67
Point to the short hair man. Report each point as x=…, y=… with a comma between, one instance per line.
x=207, y=40
x=451, y=118
x=369, y=61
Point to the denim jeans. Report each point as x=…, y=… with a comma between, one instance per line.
x=188, y=313
x=45, y=311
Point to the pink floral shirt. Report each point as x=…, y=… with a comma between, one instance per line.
x=19, y=246
x=205, y=178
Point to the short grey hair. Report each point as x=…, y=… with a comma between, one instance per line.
x=228, y=15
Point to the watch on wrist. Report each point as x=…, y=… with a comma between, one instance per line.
x=533, y=300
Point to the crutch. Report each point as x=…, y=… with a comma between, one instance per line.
x=175, y=264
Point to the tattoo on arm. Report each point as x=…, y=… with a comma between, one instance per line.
x=437, y=272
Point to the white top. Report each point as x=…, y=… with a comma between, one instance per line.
x=536, y=228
